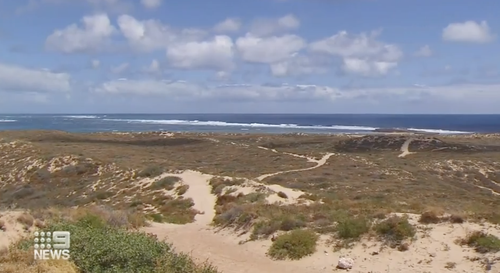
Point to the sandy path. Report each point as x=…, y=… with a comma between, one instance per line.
x=222, y=248
x=404, y=148
x=319, y=163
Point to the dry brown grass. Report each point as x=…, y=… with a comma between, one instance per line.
x=26, y=220
x=20, y=261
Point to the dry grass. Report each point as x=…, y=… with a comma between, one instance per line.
x=26, y=220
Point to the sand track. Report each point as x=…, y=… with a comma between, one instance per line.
x=319, y=163
x=404, y=148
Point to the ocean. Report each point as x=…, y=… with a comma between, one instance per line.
x=253, y=123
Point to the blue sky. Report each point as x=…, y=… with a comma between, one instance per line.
x=271, y=56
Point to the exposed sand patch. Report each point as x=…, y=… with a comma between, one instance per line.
x=12, y=229
x=404, y=148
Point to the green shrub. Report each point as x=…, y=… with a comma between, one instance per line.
x=98, y=248
x=294, y=245
x=482, y=242
x=181, y=190
x=352, y=228
x=151, y=171
x=167, y=183
x=395, y=229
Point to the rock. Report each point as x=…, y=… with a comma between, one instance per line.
x=345, y=263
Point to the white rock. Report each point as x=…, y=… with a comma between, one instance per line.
x=345, y=263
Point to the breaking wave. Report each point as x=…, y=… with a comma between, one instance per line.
x=8, y=120
x=81, y=116
x=264, y=125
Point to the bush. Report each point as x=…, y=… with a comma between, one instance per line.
x=151, y=171
x=456, y=219
x=294, y=245
x=282, y=195
x=395, y=229
x=167, y=183
x=352, y=228
x=96, y=247
x=482, y=242
x=429, y=217
x=181, y=190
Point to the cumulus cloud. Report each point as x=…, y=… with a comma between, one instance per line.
x=214, y=54
x=151, y=4
x=424, y=51
x=19, y=79
x=227, y=26
x=92, y=36
x=469, y=32
x=361, y=54
x=271, y=26
x=269, y=49
x=150, y=35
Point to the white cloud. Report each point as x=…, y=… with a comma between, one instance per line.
x=228, y=25
x=119, y=69
x=172, y=89
x=150, y=35
x=424, y=51
x=362, y=54
x=269, y=49
x=214, y=54
x=465, y=94
x=268, y=26
x=469, y=31
x=19, y=79
x=92, y=36
x=153, y=68
x=366, y=68
x=95, y=63
x=300, y=64
x=151, y=4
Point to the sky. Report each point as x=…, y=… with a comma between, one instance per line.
x=259, y=56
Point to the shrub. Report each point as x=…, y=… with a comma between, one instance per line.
x=167, y=183
x=395, y=229
x=429, y=217
x=352, y=228
x=482, y=242
x=151, y=171
x=181, y=190
x=456, y=219
x=96, y=247
x=282, y=195
x=294, y=245
x=26, y=219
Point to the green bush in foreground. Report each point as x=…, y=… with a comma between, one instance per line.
x=294, y=245
x=352, y=228
x=482, y=242
x=98, y=248
x=395, y=229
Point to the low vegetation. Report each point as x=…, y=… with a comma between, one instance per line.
x=294, y=245
x=395, y=229
x=482, y=242
x=120, y=250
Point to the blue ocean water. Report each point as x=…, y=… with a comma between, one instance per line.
x=253, y=123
